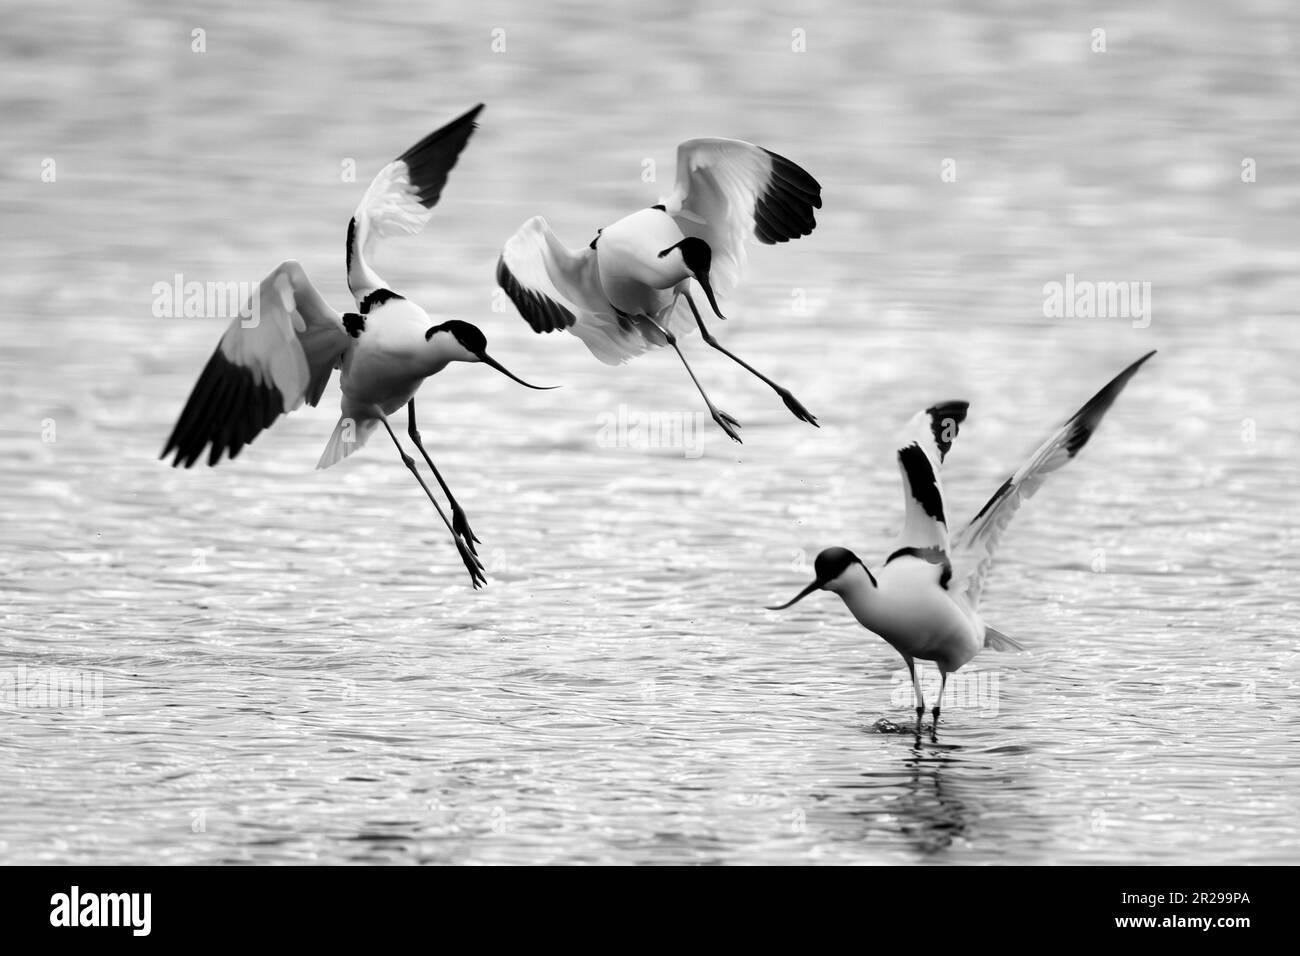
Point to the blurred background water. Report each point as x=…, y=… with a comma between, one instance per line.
x=289, y=664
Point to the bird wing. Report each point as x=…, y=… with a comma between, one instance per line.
x=925, y=442
x=728, y=190
x=555, y=287
x=267, y=364
x=400, y=199
x=974, y=545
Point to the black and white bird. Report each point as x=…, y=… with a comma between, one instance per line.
x=284, y=353
x=924, y=600
x=619, y=294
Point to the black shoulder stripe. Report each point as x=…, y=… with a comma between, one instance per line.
x=660, y=206
x=921, y=479
x=354, y=324
x=227, y=409
x=542, y=313
x=376, y=298
x=933, y=555
x=352, y=238
x=1077, y=438
x=997, y=496
x=945, y=422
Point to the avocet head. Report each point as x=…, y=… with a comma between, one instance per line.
x=836, y=569
x=697, y=256
x=464, y=342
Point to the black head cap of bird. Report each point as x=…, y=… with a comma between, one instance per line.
x=830, y=564
x=698, y=257
x=473, y=344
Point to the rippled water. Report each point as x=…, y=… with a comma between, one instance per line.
x=290, y=666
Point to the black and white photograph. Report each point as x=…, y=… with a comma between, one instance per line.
x=617, y=434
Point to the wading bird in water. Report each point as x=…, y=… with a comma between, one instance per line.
x=924, y=600
x=619, y=294
x=286, y=351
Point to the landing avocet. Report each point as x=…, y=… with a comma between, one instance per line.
x=285, y=353
x=924, y=599
x=619, y=295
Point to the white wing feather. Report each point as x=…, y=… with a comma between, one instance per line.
x=924, y=443
x=265, y=365
x=555, y=287
x=974, y=546
x=729, y=191
x=399, y=201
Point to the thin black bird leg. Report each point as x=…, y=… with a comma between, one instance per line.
x=920, y=699
x=787, y=396
x=472, y=563
x=725, y=421
x=943, y=682
x=459, y=523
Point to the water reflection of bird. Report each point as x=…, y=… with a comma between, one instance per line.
x=924, y=599
x=933, y=815
x=284, y=352
x=620, y=293
x=915, y=801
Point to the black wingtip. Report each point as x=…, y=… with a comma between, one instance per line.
x=1087, y=418
x=470, y=117
x=1107, y=394
x=956, y=410
x=945, y=423
x=540, y=312
x=226, y=410
x=430, y=160
x=784, y=211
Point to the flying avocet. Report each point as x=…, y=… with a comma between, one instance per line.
x=286, y=351
x=619, y=294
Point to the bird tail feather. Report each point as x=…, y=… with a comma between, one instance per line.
x=1000, y=642
x=349, y=435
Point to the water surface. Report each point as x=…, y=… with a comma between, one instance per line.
x=291, y=667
